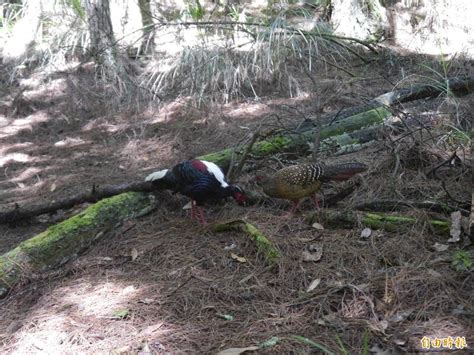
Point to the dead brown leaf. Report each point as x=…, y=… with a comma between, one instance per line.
x=134, y=254
x=240, y=259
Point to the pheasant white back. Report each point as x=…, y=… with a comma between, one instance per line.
x=216, y=171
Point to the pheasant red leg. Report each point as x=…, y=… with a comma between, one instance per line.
x=201, y=217
x=193, y=212
x=316, y=201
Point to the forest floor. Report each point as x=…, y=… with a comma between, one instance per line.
x=162, y=283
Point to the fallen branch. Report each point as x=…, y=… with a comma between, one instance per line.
x=458, y=85
x=264, y=246
x=349, y=142
x=471, y=221
x=398, y=205
x=333, y=199
x=96, y=194
x=451, y=197
x=64, y=241
x=391, y=223
x=233, y=173
x=432, y=171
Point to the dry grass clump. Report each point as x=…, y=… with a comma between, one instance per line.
x=228, y=61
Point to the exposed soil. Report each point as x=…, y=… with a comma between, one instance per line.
x=182, y=292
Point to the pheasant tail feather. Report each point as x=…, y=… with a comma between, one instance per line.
x=341, y=172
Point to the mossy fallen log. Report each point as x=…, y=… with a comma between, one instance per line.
x=64, y=241
x=349, y=120
x=264, y=246
x=462, y=85
x=388, y=222
x=350, y=142
x=95, y=194
x=290, y=141
x=399, y=205
x=459, y=86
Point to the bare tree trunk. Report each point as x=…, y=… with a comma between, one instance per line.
x=358, y=18
x=100, y=29
x=103, y=46
x=148, y=29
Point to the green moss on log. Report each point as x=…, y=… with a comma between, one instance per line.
x=440, y=227
x=104, y=215
x=340, y=140
x=12, y=265
x=356, y=122
x=64, y=241
x=285, y=142
x=264, y=246
x=266, y=147
x=386, y=222
x=275, y=144
x=391, y=223
x=221, y=158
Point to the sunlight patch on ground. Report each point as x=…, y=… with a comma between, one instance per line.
x=303, y=96
x=26, y=174
x=45, y=335
x=5, y=148
x=15, y=157
x=247, y=110
x=170, y=111
x=162, y=148
x=23, y=188
x=4, y=121
x=79, y=318
x=48, y=91
x=102, y=124
x=100, y=300
x=27, y=123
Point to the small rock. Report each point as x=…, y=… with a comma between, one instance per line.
x=440, y=247
x=366, y=233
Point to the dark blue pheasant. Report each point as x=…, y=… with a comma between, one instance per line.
x=200, y=180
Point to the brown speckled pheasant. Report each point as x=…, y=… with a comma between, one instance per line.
x=298, y=181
